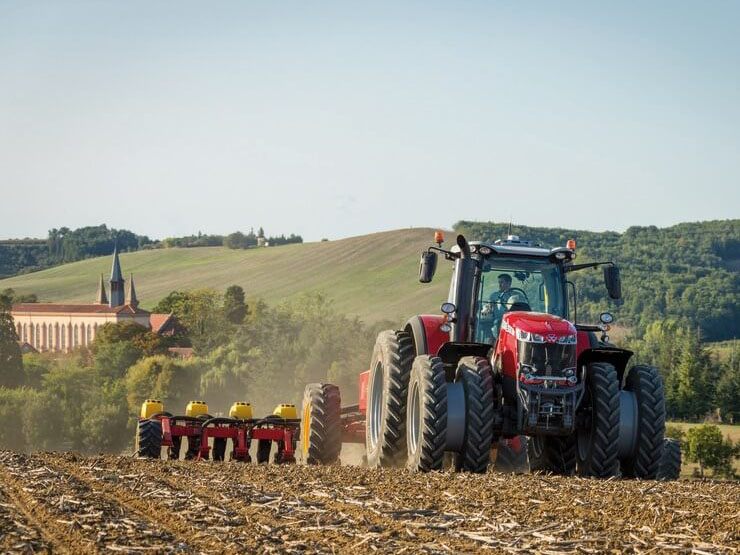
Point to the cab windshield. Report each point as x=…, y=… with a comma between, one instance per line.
x=508, y=285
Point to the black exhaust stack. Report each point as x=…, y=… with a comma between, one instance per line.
x=462, y=293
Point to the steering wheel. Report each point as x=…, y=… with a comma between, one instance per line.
x=513, y=290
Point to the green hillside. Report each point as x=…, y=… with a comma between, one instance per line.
x=373, y=276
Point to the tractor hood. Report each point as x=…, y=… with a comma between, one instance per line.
x=551, y=328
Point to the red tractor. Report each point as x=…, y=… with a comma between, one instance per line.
x=504, y=359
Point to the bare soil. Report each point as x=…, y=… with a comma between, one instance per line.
x=66, y=503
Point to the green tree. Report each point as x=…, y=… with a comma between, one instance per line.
x=705, y=445
x=691, y=385
x=727, y=398
x=234, y=307
x=11, y=361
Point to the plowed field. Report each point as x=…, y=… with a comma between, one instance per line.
x=70, y=504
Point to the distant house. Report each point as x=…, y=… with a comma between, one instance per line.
x=63, y=327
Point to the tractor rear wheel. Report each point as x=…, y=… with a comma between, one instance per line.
x=426, y=415
x=476, y=376
x=321, y=425
x=598, y=440
x=670, y=461
x=511, y=456
x=647, y=386
x=149, y=439
x=387, y=392
x=560, y=454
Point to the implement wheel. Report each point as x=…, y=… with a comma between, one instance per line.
x=321, y=424
x=476, y=376
x=426, y=424
x=598, y=440
x=218, y=453
x=645, y=383
x=149, y=439
x=264, y=446
x=670, y=461
x=387, y=392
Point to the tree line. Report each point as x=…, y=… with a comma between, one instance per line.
x=69, y=245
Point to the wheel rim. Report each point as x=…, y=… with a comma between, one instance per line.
x=376, y=404
x=306, y=429
x=415, y=418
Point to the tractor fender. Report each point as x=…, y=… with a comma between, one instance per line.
x=425, y=332
x=612, y=355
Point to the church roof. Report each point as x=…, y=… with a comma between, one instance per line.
x=115, y=271
x=53, y=308
x=102, y=297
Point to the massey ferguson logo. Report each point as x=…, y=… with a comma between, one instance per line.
x=551, y=338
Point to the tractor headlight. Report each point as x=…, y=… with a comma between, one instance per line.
x=529, y=337
x=567, y=340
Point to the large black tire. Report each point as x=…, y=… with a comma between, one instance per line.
x=511, y=456
x=149, y=439
x=477, y=378
x=598, y=441
x=321, y=426
x=387, y=392
x=218, y=453
x=536, y=453
x=426, y=424
x=647, y=386
x=560, y=454
x=670, y=460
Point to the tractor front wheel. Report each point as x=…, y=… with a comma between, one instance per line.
x=387, y=392
x=149, y=439
x=426, y=415
x=560, y=453
x=598, y=440
x=321, y=425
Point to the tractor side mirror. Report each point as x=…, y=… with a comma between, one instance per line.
x=613, y=282
x=427, y=266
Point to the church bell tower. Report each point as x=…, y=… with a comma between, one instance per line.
x=117, y=292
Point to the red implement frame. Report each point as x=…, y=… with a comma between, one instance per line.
x=282, y=430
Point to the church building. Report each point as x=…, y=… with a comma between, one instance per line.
x=64, y=327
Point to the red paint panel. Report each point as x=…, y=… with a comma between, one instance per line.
x=435, y=337
x=364, y=377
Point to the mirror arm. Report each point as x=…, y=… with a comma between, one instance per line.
x=575, y=267
x=449, y=255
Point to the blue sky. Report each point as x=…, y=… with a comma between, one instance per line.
x=331, y=119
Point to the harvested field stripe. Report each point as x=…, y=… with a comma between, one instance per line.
x=39, y=518
x=17, y=533
x=171, y=507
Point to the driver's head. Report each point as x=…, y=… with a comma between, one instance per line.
x=504, y=282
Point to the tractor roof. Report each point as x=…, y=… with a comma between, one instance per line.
x=519, y=247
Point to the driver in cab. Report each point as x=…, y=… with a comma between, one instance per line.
x=499, y=302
